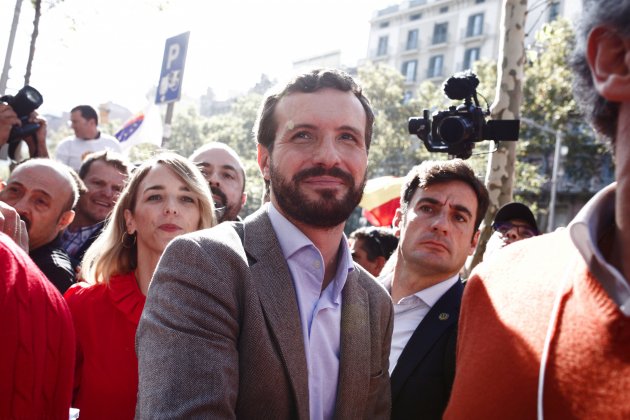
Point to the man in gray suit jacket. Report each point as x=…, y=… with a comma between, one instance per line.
x=271, y=318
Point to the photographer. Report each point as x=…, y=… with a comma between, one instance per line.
x=36, y=142
x=10, y=222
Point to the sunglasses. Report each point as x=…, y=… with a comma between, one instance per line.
x=521, y=230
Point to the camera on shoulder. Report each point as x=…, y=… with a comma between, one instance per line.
x=455, y=130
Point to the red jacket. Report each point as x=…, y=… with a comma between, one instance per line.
x=106, y=318
x=37, y=341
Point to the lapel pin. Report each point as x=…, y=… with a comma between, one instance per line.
x=443, y=316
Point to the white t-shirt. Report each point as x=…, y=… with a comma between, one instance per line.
x=72, y=150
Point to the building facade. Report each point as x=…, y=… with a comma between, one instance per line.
x=432, y=39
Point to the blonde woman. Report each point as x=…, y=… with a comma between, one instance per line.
x=165, y=197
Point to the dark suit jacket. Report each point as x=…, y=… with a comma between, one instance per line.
x=423, y=377
x=220, y=335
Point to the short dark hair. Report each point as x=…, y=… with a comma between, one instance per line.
x=87, y=112
x=113, y=159
x=600, y=112
x=266, y=126
x=431, y=172
x=377, y=241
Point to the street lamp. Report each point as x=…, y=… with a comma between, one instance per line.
x=554, y=172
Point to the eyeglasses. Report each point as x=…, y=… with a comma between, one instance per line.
x=523, y=231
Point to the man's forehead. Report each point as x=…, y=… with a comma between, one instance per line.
x=100, y=168
x=452, y=193
x=300, y=108
x=217, y=157
x=40, y=177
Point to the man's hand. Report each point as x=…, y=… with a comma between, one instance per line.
x=8, y=118
x=12, y=225
x=37, y=148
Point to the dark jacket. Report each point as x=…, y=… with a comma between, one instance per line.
x=55, y=263
x=423, y=377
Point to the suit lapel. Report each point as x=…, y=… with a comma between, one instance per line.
x=354, y=371
x=271, y=276
x=430, y=329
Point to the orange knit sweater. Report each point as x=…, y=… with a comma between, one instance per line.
x=506, y=310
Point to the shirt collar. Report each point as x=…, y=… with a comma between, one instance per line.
x=587, y=228
x=430, y=295
x=292, y=240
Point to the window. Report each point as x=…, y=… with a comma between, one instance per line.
x=417, y=16
x=554, y=10
x=475, y=25
x=384, y=25
x=407, y=96
x=444, y=9
x=435, y=66
x=382, y=46
x=470, y=56
x=479, y=1
x=409, y=70
x=412, y=39
x=439, y=33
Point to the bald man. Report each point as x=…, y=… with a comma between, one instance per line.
x=44, y=193
x=224, y=171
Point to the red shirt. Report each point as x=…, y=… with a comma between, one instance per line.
x=36, y=340
x=105, y=319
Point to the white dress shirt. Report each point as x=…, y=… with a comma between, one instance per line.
x=410, y=311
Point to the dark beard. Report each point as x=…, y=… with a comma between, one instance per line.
x=224, y=210
x=325, y=212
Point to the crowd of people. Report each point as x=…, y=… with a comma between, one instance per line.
x=138, y=290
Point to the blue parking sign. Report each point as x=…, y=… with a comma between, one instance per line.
x=170, y=84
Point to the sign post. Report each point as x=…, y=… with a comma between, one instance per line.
x=170, y=86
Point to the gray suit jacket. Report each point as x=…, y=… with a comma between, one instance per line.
x=220, y=334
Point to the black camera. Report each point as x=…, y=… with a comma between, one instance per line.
x=455, y=130
x=27, y=100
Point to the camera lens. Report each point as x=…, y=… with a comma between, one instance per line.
x=454, y=129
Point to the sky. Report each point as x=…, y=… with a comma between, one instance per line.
x=96, y=51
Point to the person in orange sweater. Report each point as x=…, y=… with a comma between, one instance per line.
x=545, y=325
x=166, y=196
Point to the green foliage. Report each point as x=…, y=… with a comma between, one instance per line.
x=393, y=151
x=188, y=132
x=548, y=100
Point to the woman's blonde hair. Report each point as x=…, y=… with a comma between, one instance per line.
x=110, y=253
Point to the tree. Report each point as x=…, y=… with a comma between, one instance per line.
x=393, y=150
x=189, y=131
x=37, y=5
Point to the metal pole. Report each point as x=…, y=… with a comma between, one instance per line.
x=167, y=121
x=4, y=78
x=554, y=182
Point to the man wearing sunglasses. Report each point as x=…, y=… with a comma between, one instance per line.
x=513, y=222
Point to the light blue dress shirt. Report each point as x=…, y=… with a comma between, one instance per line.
x=320, y=312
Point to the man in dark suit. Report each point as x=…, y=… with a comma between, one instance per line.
x=442, y=205
x=270, y=318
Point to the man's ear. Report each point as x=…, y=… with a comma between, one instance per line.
x=608, y=55
x=243, y=199
x=263, y=160
x=397, y=222
x=474, y=242
x=66, y=218
x=2, y=185
x=380, y=262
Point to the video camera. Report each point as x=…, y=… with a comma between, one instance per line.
x=455, y=130
x=27, y=100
